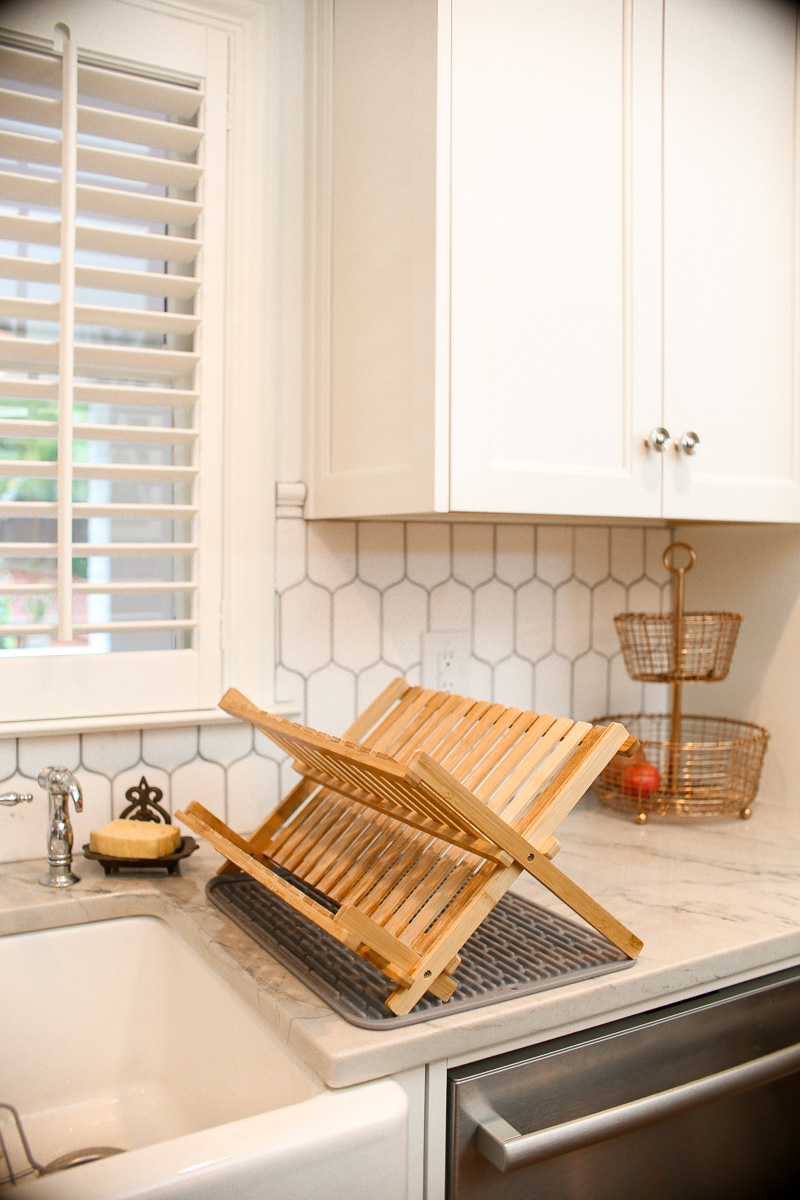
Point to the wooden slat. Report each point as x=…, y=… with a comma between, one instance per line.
x=382, y=729
x=222, y=839
x=477, y=906
x=552, y=751
x=384, y=868
x=312, y=825
x=238, y=705
x=340, y=879
x=578, y=774
x=484, y=743
x=410, y=892
x=360, y=729
x=502, y=783
x=386, y=891
x=425, y=906
x=437, y=907
x=528, y=857
x=466, y=748
x=446, y=717
x=286, y=838
x=409, y=721
x=462, y=732
x=347, y=842
x=493, y=762
x=353, y=921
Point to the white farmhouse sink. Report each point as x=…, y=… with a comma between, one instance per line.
x=116, y=1033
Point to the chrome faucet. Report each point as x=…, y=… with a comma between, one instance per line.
x=61, y=784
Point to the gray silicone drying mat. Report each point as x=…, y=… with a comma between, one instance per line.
x=518, y=949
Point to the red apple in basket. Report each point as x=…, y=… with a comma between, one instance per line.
x=640, y=778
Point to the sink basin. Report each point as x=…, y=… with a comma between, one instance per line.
x=117, y=1034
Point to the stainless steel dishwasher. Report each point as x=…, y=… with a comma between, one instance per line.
x=694, y=1101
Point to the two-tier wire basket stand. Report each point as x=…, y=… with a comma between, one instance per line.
x=687, y=766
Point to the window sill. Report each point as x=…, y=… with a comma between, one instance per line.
x=197, y=716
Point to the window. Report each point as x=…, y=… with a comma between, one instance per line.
x=115, y=185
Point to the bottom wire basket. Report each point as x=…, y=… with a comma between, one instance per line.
x=713, y=771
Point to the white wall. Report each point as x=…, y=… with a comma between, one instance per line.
x=755, y=570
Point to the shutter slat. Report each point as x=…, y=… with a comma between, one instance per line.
x=79, y=627
x=29, y=148
x=129, y=244
x=99, y=433
x=149, y=321
x=100, y=588
x=38, y=230
x=26, y=469
x=105, y=393
x=140, y=283
x=144, y=168
x=136, y=206
x=31, y=66
x=22, y=308
x=166, y=172
x=96, y=549
x=136, y=91
x=41, y=192
x=98, y=393
x=30, y=189
x=110, y=279
x=40, y=111
x=135, y=361
x=23, y=509
x=139, y=131
x=28, y=270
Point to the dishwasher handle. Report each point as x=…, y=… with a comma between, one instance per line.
x=508, y=1149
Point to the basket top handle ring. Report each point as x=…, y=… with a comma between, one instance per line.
x=666, y=558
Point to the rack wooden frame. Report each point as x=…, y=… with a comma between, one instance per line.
x=418, y=821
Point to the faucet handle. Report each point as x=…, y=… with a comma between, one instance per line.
x=10, y=798
x=59, y=781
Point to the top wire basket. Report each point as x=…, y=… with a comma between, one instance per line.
x=658, y=649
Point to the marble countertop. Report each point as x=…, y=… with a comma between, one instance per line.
x=715, y=903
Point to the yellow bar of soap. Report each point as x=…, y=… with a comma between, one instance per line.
x=134, y=839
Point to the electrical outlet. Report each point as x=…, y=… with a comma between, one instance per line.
x=445, y=660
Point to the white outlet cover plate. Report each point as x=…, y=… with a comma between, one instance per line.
x=445, y=660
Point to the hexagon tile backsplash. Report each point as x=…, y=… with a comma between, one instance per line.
x=353, y=600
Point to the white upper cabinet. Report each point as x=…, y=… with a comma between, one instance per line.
x=549, y=230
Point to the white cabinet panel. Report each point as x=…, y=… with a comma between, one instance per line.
x=543, y=408
x=730, y=220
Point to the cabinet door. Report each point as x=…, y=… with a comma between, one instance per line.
x=730, y=259
x=555, y=319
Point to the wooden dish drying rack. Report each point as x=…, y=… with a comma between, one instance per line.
x=418, y=821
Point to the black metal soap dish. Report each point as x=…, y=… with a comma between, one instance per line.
x=143, y=805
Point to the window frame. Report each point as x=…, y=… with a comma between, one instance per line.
x=239, y=36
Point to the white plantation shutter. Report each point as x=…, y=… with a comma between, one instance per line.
x=110, y=385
